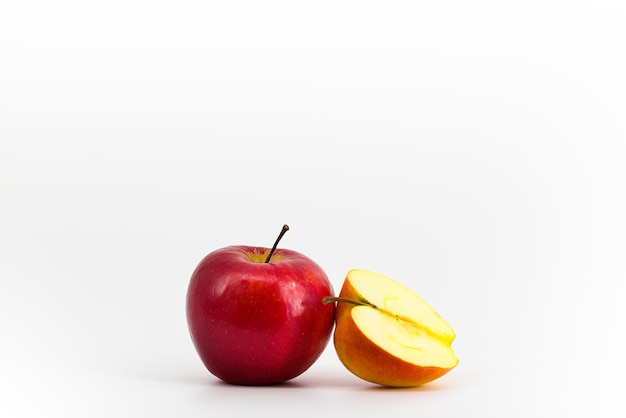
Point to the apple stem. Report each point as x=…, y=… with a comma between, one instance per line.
x=329, y=299
x=282, y=232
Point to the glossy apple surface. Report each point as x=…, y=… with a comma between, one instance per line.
x=258, y=323
x=387, y=334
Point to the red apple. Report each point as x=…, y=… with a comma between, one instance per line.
x=256, y=315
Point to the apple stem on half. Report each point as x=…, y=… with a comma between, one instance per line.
x=282, y=232
x=329, y=299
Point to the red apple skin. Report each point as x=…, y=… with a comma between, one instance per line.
x=257, y=323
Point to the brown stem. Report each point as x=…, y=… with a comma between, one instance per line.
x=282, y=232
x=329, y=299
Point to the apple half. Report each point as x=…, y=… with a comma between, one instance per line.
x=387, y=334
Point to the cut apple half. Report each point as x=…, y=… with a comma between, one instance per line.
x=387, y=334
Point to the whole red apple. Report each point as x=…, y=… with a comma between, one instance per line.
x=256, y=315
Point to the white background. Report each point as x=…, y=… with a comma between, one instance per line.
x=473, y=151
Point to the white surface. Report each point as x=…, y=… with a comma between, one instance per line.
x=473, y=151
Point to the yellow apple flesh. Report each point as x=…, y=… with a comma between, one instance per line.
x=387, y=334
